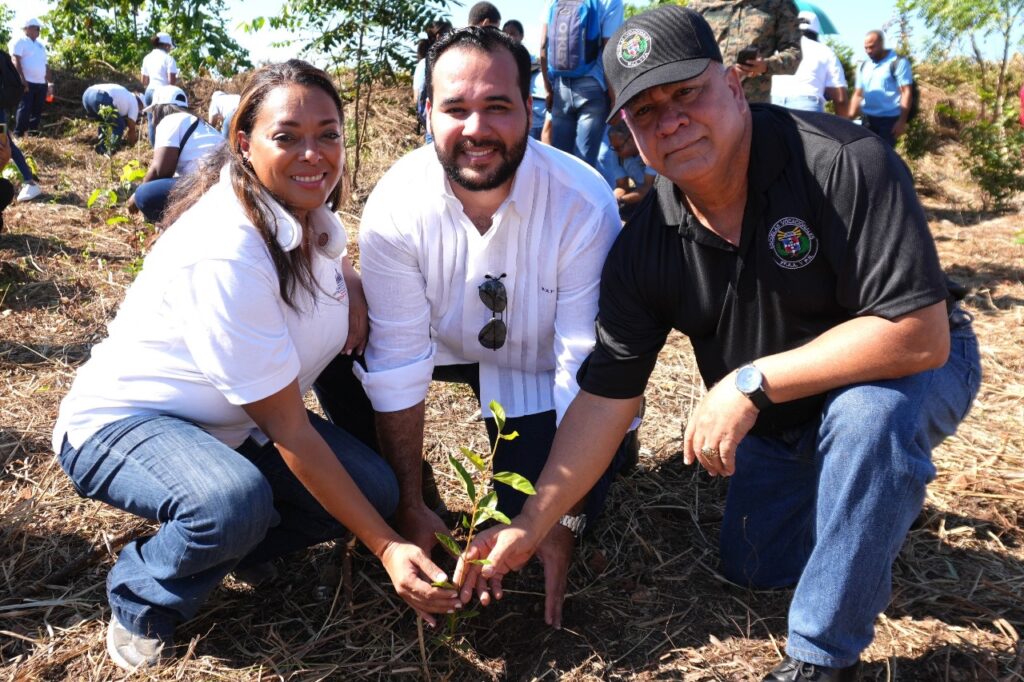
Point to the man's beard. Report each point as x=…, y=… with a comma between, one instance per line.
x=510, y=160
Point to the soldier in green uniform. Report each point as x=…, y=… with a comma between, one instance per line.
x=770, y=27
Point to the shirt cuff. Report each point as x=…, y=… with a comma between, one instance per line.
x=391, y=390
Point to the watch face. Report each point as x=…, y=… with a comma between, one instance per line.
x=748, y=379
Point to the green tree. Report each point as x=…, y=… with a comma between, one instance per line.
x=373, y=38
x=634, y=8
x=6, y=19
x=980, y=24
x=117, y=32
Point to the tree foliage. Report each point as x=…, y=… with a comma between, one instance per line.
x=118, y=31
x=981, y=25
x=374, y=38
x=631, y=9
x=6, y=19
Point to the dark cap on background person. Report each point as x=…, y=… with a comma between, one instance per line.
x=663, y=45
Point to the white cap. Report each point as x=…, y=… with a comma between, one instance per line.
x=33, y=22
x=168, y=94
x=809, y=21
x=164, y=39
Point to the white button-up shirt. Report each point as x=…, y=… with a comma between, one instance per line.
x=422, y=261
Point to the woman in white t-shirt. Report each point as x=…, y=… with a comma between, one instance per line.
x=182, y=140
x=159, y=68
x=191, y=413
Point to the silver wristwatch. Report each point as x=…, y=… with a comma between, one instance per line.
x=574, y=523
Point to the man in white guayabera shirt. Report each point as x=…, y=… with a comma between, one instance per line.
x=481, y=256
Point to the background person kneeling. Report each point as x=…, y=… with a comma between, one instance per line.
x=182, y=140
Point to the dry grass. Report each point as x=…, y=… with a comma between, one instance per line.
x=646, y=602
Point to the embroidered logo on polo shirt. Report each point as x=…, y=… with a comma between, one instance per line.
x=340, y=290
x=792, y=243
x=634, y=47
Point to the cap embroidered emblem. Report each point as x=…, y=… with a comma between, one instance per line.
x=634, y=47
x=792, y=243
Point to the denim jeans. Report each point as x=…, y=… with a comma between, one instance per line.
x=827, y=506
x=92, y=101
x=147, y=99
x=578, y=110
x=218, y=509
x=800, y=102
x=30, y=110
x=16, y=155
x=151, y=197
x=882, y=126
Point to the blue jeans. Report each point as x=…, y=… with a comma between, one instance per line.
x=800, y=102
x=30, y=110
x=828, y=505
x=147, y=99
x=882, y=126
x=16, y=156
x=578, y=111
x=92, y=100
x=151, y=197
x=218, y=509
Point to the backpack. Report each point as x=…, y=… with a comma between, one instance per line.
x=11, y=88
x=915, y=94
x=574, y=37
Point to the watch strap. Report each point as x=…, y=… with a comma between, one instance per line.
x=576, y=524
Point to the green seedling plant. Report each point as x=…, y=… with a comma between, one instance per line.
x=131, y=173
x=483, y=502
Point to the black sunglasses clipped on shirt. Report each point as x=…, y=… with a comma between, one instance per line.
x=495, y=297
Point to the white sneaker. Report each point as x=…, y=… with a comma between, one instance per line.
x=129, y=651
x=29, y=192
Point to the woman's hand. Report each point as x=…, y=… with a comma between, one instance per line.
x=412, y=572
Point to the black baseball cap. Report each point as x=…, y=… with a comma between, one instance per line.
x=663, y=45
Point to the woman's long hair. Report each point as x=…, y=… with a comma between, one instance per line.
x=293, y=267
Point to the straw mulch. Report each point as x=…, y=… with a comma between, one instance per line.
x=645, y=602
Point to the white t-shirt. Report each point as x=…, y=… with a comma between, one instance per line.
x=224, y=104
x=124, y=100
x=159, y=66
x=203, y=329
x=819, y=68
x=422, y=261
x=204, y=139
x=33, y=58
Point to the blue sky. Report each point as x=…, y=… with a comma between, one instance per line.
x=852, y=19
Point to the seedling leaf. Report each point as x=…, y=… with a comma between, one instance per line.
x=116, y=220
x=509, y=436
x=481, y=562
x=444, y=584
x=476, y=458
x=448, y=542
x=489, y=501
x=499, y=414
x=467, y=480
x=93, y=198
x=516, y=481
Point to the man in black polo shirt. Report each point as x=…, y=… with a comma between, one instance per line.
x=792, y=250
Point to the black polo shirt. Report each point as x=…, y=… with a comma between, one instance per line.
x=832, y=230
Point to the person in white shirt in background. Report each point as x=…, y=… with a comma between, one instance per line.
x=222, y=108
x=481, y=257
x=159, y=68
x=29, y=57
x=182, y=140
x=122, y=123
x=818, y=78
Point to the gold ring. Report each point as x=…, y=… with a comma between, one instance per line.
x=710, y=452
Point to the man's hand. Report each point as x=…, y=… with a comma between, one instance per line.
x=755, y=67
x=506, y=548
x=358, y=325
x=418, y=523
x=720, y=422
x=412, y=572
x=899, y=128
x=555, y=552
x=132, y=207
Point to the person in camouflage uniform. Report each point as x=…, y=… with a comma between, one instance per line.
x=771, y=26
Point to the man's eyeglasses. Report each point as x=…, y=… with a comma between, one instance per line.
x=492, y=293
